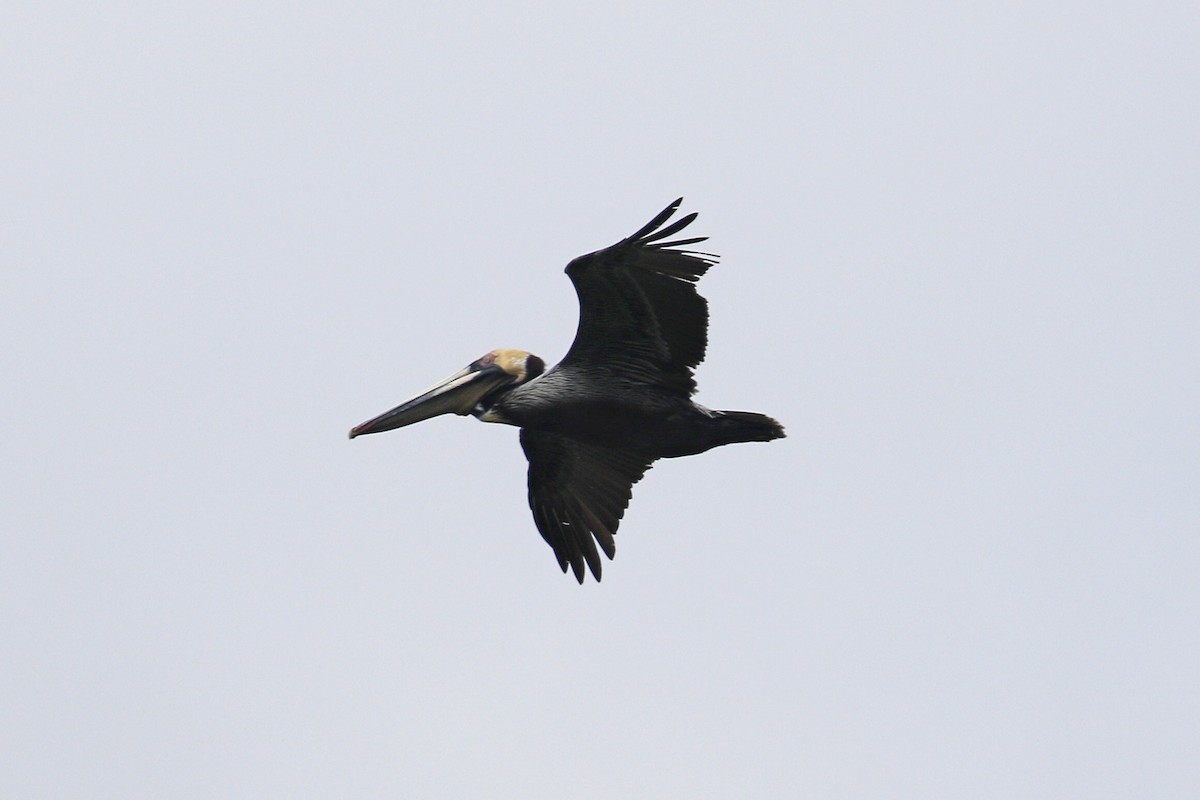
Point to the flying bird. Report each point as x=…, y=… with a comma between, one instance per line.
x=618, y=401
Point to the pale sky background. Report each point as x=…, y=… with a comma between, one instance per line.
x=960, y=262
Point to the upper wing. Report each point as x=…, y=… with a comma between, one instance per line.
x=640, y=316
x=578, y=493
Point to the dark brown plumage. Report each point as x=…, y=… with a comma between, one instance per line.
x=618, y=401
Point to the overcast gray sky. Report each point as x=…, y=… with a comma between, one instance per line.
x=959, y=262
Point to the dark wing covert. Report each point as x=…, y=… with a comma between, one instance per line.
x=578, y=493
x=640, y=317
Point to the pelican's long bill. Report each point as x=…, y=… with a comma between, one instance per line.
x=458, y=394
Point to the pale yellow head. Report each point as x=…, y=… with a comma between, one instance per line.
x=522, y=366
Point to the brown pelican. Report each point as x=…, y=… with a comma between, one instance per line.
x=618, y=401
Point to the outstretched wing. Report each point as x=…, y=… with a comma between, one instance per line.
x=578, y=493
x=640, y=317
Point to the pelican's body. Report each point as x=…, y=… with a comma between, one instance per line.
x=626, y=417
x=619, y=400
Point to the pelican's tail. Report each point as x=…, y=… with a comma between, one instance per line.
x=747, y=426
